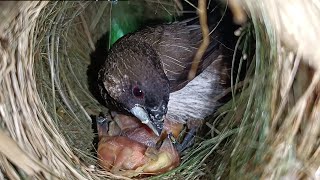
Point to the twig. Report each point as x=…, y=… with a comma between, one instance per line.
x=98, y=16
x=192, y=4
x=178, y=4
x=86, y=30
x=239, y=15
x=202, y=11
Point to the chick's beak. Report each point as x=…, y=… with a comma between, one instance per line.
x=153, y=118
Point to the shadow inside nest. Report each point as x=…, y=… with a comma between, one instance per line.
x=95, y=140
x=97, y=58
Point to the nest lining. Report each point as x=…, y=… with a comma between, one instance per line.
x=270, y=129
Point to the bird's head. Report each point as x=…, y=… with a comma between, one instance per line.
x=132, y=79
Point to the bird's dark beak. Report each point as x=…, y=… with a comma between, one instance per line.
x=152, y=118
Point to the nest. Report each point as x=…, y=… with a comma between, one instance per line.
x=269, y=129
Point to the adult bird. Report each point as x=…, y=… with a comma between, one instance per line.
x=146, y=73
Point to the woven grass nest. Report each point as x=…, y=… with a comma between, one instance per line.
x=270, y=129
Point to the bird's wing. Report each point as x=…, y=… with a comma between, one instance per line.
x=177, y=48
x=177, y=44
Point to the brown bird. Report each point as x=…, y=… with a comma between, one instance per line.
x=145, y=73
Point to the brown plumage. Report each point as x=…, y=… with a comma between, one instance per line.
x=147, y=68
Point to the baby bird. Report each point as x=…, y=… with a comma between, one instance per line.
x=129, y=148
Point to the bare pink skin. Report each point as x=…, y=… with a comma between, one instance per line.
x=134, y=153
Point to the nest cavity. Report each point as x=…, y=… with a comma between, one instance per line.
x=49, y=50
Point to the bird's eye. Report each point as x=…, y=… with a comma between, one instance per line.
x=137, y=92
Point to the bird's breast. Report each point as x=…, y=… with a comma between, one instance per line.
x=198, y=99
